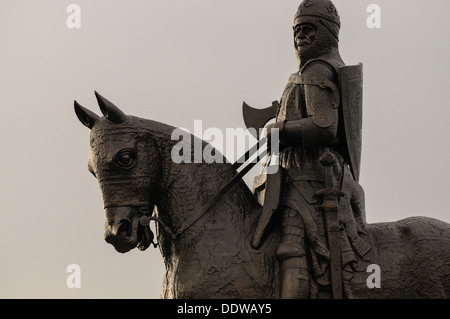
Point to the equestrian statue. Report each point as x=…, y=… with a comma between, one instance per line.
x=302, y=231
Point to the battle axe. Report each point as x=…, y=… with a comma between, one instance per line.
x=257, y=118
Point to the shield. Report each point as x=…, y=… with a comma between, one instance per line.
x=351, y=82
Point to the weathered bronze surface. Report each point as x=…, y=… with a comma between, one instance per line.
x=311, y=240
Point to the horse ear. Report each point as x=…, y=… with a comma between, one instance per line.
x=109, y=110
x=86, y=117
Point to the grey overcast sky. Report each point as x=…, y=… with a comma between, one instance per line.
x=176, y=61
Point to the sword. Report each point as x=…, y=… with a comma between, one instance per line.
x=330, y=197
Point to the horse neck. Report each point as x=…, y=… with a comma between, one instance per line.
x=185, y=187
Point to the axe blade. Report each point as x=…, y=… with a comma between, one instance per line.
x=257, y=118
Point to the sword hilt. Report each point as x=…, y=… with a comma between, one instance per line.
x=330, y=194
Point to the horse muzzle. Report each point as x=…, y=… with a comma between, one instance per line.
x=123, y=229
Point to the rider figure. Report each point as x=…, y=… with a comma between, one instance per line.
x=308, y=119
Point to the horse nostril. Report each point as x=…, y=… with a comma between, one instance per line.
x=124, y=228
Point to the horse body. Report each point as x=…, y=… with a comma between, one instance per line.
x=212, y=256
x=414, y=258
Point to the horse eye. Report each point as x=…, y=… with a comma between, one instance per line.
x=126, y=158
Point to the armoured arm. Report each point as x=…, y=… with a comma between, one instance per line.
x=320, y=125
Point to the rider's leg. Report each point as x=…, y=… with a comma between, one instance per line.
x=291, y=254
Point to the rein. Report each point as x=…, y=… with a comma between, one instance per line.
x=147, y=217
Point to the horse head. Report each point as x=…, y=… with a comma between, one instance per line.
x=201, y=243
x=124, y=159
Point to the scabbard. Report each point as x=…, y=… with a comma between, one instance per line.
x=334, y=244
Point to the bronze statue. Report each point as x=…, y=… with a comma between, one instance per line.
x=315, y=116
x=310, y=239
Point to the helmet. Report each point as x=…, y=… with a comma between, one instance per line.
x=319, y=11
